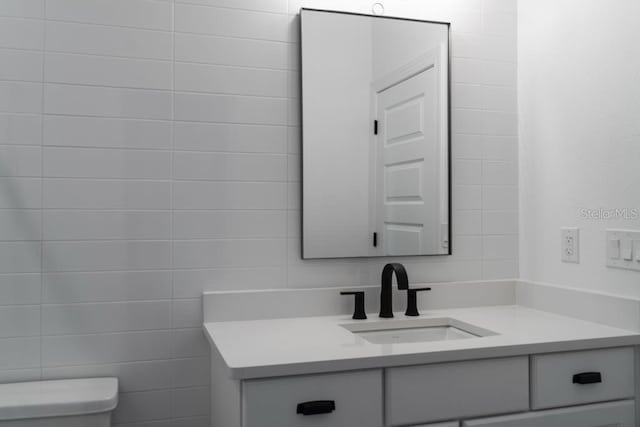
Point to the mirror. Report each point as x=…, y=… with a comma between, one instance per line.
x=375, y=136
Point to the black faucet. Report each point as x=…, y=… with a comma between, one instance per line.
x=386, y=298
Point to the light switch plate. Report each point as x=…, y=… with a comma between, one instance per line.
x=570, y=244
x=623, y=249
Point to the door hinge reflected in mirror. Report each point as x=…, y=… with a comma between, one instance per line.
x=375, y=127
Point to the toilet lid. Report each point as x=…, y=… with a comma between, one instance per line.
x=39, y=399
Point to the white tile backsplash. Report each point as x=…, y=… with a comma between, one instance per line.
x=20, y=224
x=150, y=150
x=20, y=257
x=152, y=15
x=466, y=197
x=100, y=132
x=199, y=107
x=104, y=225
x=106, y=194
x=189, y=225
x=20, y=97
x=223, y=137
x=20, y=65
x=105, y=317
x=194, y=281
x=199, y=48
x=19, y=321
x=187, y=313
x=106, y=255
x=142, y=406
x=111, y=163
x=109, y=41
x=500, y=197
x=20, y=161
x=499, y=222
x=107, y=71
x=22, y=8
x=20, y=193
x=106, y=102
x=20, y=129
x=133, y=376
x=231, y=22
x=18, y=33
x=20, y=289
x=276, y=6
x=467, y=222
x=197, y=166
x=105, y=286
x=191, y=402
x=190, y=195
x=20, y=353
x=228, y=253
x=191, y=77
x=69, y=350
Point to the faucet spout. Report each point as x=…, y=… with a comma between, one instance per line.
x=386, y=297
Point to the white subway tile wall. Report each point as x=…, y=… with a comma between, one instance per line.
x=149, y=150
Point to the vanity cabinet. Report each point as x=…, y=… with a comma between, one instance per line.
x=614, y=414
x=591, y=388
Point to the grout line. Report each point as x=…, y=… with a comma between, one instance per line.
x=112, y=26
x=237, y=37
x=146, y=119
x=187, y=210
x=242, y=9
x=42, y=166
x=155, y=90
x=171, y=186
x=288, y=136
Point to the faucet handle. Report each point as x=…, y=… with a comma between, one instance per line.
x=358, y=310
x=412, y=301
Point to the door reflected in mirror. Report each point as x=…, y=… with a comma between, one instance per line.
x=375, y=136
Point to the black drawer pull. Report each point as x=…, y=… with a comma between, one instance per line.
x=587, y=378
x=316, y=407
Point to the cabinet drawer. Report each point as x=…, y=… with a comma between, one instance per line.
x=610, y=376
x=614, y=414
x=357, y=397
x=451, y=424
x=449, y=391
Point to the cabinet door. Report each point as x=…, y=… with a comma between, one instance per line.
x=418, y=395
x=615, y=414
x=346, y=399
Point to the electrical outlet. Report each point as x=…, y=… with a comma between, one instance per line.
x=570, y=244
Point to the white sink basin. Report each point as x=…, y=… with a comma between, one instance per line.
x=418, y=330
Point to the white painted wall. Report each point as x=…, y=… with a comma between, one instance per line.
x=149, y=150
x=579, y=97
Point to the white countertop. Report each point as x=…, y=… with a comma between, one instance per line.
x=305, y=345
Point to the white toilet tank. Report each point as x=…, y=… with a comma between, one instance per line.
x=62, y=403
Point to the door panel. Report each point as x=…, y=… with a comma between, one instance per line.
x=403, y=182
x=407, y=165
x=405, y=120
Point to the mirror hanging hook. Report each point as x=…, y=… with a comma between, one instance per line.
x=377, y=8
